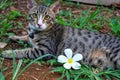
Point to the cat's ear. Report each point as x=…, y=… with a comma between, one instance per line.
x=55, y=7
x=31, y=4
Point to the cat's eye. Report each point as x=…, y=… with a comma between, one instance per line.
x=47, y=17
x=34, y=15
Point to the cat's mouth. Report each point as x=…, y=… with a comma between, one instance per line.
x=36, y=29
x=41, y=27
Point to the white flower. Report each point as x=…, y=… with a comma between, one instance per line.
x=69, y=60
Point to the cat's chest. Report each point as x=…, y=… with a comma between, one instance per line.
x=33, y=41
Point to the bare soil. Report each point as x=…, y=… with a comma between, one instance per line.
x=35, y=71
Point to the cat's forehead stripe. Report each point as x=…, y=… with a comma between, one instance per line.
x=42, y=8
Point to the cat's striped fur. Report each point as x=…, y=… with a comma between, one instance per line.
x=46, y=36
x=98, y=58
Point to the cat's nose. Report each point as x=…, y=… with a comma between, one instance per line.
x=39, y=25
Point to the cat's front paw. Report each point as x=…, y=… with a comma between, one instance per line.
x=18, y=38
x=13, y=38
x=7, y=54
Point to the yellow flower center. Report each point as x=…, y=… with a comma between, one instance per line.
x=70, y=61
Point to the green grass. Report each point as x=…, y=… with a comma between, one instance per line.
x=84, y=20
x=2, y=77
x=4, y=24
x=6, y=21
x=79, y=21
x=17, y=70
x=4, y=4
x=90, y=20
x=115, y=26
x=86, y=73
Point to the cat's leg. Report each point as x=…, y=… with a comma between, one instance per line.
x=116, y=60
x=30, y=53
x=19, y=38
x=117, y=65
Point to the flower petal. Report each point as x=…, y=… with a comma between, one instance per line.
x=76, y=65
x=77, y=57
x=67, y=66
x=68, y=52
x=62, y=59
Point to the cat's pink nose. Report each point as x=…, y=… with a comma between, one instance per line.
x=39, y=25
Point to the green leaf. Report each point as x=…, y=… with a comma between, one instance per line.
x=52, y=61
x=17, y=69
x=32, y=63
x=13, y=14
x=58, y=69
x=114, y=25
x=4, y=4
x=2, y=76
x=47, y=2
x=67, y=74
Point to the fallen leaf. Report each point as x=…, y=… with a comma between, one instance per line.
x=2, y=45
x=12, y=8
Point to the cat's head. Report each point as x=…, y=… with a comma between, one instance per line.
x=42, y=17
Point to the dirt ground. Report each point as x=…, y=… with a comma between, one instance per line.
x=35, y=71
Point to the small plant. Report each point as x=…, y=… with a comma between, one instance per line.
x=17, y=70
x=47, y=2
x=86, y=73
x=83, y=72
x=4, y=4
x=6, y=19
x=5, y=25
x=2, y=77
x=115, y=26
x=20, y=25
x=22, y=43
x=6, y=22
x=13, y=15
x=83, y=20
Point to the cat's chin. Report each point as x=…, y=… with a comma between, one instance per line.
x=34, y=29
x=38, y=30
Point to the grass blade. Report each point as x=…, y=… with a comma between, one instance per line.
x=32, y=63
x=17, y=69
x=2, y=76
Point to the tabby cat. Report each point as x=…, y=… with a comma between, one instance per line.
x=48, y=37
